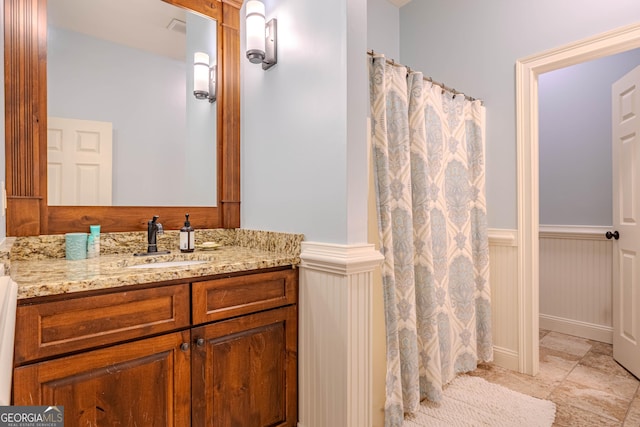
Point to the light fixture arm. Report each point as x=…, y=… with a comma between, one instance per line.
x=270, y=44
x=213, y=87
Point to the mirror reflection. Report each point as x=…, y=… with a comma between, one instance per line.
x=124, y=126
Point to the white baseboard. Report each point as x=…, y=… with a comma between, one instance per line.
x=577, y=328
x=505, y=358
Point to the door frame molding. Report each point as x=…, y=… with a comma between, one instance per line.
x=527, y=71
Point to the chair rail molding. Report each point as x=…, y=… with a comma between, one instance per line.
x=580, y=232
x=335, y=334
x=503, y=237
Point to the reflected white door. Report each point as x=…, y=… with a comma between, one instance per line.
x=79, y=161
x=626, y=218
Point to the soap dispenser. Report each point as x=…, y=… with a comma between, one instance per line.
x=187, y=237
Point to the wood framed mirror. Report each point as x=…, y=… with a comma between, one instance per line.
x=28, y=212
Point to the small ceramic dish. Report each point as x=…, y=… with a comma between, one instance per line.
x=208, y=246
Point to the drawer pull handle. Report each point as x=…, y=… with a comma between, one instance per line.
x=200, y=342
x=184, y=346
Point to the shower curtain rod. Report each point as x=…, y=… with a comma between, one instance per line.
x=429, y=79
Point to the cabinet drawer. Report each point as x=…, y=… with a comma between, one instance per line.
x=223, y=298
x=66, y=326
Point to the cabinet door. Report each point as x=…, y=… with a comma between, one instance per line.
x=245, y=371
x=144, y=383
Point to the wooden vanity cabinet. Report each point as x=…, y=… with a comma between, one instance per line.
x=244, y=371
x=239, y=369
x=140, y=383
x=244, y=358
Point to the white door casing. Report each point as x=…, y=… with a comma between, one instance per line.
x=79, y=162
x=527, y=71
x=625, y=126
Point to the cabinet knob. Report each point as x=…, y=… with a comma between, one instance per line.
x=184, y=346
x=200, y=342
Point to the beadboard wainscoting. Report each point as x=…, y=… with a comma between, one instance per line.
x=576, y=281
x=335, y=334
x=336, y=314
x=335, y=328
x=503, y=258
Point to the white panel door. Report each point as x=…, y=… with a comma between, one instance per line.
x=79, y=157
x=626, y=217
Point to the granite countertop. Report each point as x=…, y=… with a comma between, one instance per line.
x=38, y=265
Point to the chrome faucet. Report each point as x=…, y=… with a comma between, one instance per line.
x=153, y=229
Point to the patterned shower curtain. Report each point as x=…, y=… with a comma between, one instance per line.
x=428, y=150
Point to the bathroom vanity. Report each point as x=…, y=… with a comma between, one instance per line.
x=213, y=343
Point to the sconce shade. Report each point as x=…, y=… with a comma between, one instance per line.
x=201, y=75
x=255, y=30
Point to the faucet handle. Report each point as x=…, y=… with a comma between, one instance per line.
x=158, y=226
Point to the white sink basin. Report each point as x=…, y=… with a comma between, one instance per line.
x=168, y=264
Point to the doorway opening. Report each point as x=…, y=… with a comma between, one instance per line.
x=527, y=72
x=576, y=212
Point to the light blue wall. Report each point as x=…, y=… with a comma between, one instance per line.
x=145, y=96
x=575, y=140
x=303, y=134
x=200, y=146
x=473, y=46
x=383, y=28
x=297, y=121
x=357, y=169
x=93, y=79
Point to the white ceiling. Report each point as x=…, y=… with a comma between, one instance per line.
x=399, y=3
x=141, y=24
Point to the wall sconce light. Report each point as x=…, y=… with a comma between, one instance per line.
x=261, y=37
x=204, y=77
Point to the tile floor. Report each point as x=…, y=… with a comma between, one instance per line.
x=588, y=387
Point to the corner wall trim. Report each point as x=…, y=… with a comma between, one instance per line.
x=335, y=334
x=339, y=259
